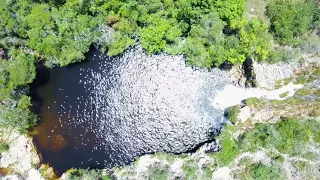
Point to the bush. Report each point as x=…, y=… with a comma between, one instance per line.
x=84, y=174
x=290, y=19
x=283, y=95
x=229, y=147
x=4, y=147
x=253, y=102
x=287, y=136
x=158, y=173
x=190, y=170
x=233, y=113
x=260, y=171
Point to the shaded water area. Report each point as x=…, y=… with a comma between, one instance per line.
x=105, y=112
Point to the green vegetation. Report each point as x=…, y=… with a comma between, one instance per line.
x=230, y=148
x=165, y=156
x=207, y=173
x=4, y=147
x=106, y=178
x=287, y=136
x=283, y=82
x=260, y=171
x=254, y=101
x=233, y=113
x=158, y=173
x=208, y=33
x=307, y=91
x=16, y=73
x=290, y=19
x=190, y=170
x=79, y=174
x=283, y=95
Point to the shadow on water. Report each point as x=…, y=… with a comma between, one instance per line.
x=60, y=143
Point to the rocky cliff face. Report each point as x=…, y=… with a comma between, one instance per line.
x=21, y=160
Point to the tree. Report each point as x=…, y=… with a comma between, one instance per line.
x=21, y=68
x=290, y=19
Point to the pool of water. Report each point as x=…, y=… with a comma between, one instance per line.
x=105, y=112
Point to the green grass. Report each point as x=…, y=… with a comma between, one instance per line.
x=106, y=178
x=290, y=101
x=283, y=82
x=300, y=80
x=285, y=94
x=254, y=102
x=230, y=148
x=305, y=92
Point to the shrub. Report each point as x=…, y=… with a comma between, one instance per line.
x=287, y=136
x=190, y=169
x=233, y=113
x=229, y=147
x=158, y=173
x=4, y=147
x=260, y=171
x=285, y=94
x=84, y=174
x=303, y=92
x=290, y=19
x=253, y=101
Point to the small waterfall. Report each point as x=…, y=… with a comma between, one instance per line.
x=232, y=95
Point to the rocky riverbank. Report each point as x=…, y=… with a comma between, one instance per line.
x=20, y=160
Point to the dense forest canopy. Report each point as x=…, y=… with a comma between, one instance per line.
x=207, y=32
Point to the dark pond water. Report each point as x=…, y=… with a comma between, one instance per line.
x=105, y=112
x=60, y=141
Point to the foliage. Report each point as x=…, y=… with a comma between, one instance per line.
x=60, y=34
x=261, y=171
x=15, y=113
x=253, y=101
x=291, y=18
x=230, y=148
x=106, y=178
x=287, y=136
x=283, y=95
x=255, y=39
x=190, y=170
x=16, y=73
x=158, y=173
x=4, y=147
x=283, y=82
x=233, y=113
x=193, y=28
x=281, y=54
x=84, y=174
x=21, y=68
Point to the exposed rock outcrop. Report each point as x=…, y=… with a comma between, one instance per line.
x=21, y=157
